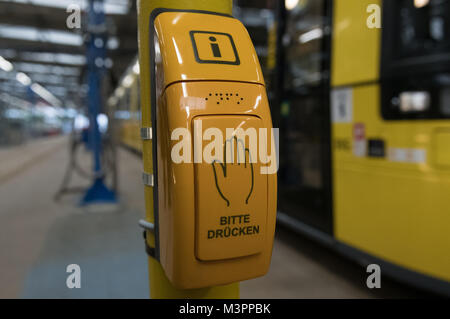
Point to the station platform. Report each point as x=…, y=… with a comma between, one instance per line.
x=40, y=237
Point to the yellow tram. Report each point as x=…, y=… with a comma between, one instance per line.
x=125, y=110
x=363, y=112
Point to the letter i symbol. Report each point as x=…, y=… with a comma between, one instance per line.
x=215, y=47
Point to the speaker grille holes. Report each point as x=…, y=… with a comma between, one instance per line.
x=224, y=97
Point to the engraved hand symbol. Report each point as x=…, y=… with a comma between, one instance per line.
x=234, y=175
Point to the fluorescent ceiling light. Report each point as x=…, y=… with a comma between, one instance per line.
x=316, y=33
x=23, y=78
x=136, y=67
x=46, y=69
x=120, y=91
x=46, y=95
x=5, y=65
x=45, y=57
x=60, y=58
x=128, y=81
x=48, y=36
x=40, y=35
x=111, y=7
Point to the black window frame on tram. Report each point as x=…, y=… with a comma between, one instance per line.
x=412, y=70
x=319, y=90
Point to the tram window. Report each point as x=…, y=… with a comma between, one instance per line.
x=303, y=171
x=303, y=135
x=423, y=26
x=305, y=29
x=416, y=36
x=305, y=165
x=415, y=59
x=416, y=97
x=418, y=101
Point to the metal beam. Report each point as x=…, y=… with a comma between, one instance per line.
x=30, y=14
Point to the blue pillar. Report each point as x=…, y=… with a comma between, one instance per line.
x=96, y=54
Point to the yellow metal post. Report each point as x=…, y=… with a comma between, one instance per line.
x=160, y=286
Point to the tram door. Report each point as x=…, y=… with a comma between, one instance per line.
x=305, y=168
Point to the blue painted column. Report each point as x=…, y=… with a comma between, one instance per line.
x=96, y=54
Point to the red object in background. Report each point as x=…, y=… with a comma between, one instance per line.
x=359, y=131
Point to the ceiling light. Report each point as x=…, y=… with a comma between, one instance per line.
x=290, y=4
x=23, y=78
x=5, y=65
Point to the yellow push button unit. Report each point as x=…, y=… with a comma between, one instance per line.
x=214, y=154
x=230, y=193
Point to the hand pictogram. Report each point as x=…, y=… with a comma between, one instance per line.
x=234, y=173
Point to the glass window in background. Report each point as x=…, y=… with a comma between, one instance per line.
x=305, y=29
x=423, y=27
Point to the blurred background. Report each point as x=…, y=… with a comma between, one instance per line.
x=70, y=165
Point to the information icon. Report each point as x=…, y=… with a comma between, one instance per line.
x=214, y=47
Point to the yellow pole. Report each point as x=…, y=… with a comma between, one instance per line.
x=160, y=286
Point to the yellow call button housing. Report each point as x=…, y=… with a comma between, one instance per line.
x=214, y=204
x=230, y=194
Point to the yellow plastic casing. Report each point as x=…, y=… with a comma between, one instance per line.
x=199, y=201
